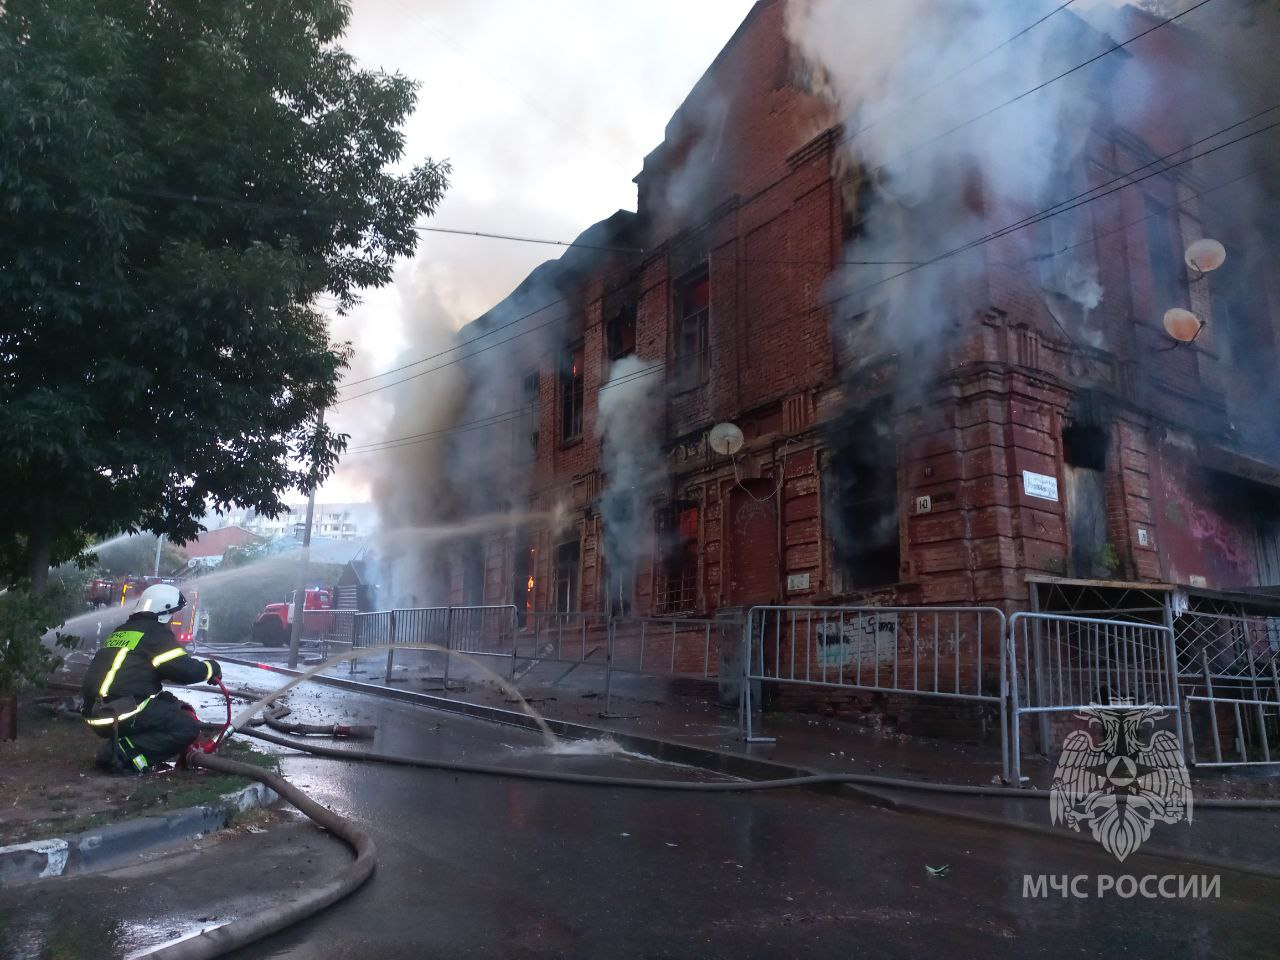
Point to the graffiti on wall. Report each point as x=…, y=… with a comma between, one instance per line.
x=858, y=638
x=1206, y=532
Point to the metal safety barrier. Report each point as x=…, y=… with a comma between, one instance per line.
x=1060, y=664
x=938, y=652
x=1228, y=670
x=572, y=638
x=477, y=631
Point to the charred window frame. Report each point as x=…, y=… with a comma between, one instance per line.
x=1168, y=273
x=524, y=562
x=617, y=564
x=857, y=201
x=620, y=332
x=1066, y=263
x=861, y=501
x=571, y=393
x=692, y=334
x=566, y=563
x=527, y=435
x=677, y=529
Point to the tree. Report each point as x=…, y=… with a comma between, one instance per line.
x=180, y=181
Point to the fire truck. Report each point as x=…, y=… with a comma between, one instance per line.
x=275, y=622
x=188, y=625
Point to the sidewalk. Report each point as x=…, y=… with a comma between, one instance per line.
x=659, y=713
x=59, y=815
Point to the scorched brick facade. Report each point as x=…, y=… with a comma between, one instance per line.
x=1027, y=450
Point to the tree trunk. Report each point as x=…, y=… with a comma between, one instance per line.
x=40, y=544
x=8, y=716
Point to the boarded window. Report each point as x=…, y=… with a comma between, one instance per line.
x=571, y=393
x=678, y=558
x=693, y=312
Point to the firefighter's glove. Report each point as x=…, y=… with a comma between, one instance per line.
x=215, y=673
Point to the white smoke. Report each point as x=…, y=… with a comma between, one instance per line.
x=411, y=488
x=630, y=427
x=905, y=82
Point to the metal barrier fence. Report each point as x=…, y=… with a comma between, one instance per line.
x=653, y=646
x=1063, y=664
x=1227, y=666
x=569, y=638
x=940, y=652
x=481, y=631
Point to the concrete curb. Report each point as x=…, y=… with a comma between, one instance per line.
x=116, y=843
x=754, y=768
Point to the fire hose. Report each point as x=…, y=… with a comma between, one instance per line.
x=232, y=936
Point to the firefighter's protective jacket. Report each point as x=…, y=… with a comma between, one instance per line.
x=133, y=664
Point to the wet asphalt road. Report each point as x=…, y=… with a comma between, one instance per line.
x=474, y=866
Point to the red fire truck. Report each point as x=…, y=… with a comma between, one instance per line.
x=274, y=623
x=187, y=625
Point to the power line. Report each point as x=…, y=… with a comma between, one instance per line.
x=496, y=419
x=1060, y=207
x=512, y=415
x=947, y=79
x=1040, y=86
x=1029, y=221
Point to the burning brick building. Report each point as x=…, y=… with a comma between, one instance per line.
x=943, y=393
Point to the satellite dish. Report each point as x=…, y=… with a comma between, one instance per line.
x=725, y=438
x=1205, y=255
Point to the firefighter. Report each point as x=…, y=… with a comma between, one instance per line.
x=123, y=700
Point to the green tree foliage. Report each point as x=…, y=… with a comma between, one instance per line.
x=179, y=182
x=25, y=616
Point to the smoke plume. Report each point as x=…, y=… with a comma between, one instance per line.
x=906, y=77
x=629, y=424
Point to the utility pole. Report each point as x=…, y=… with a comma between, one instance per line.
x=159, y=544
x=295, y=628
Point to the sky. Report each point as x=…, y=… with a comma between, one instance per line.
x=545, y=110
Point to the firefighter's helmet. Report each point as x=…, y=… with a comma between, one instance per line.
x=162, y=599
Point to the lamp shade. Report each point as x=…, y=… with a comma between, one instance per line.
x=1183, y=325
x=1205, y=255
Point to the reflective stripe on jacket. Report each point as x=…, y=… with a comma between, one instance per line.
x=136, y=660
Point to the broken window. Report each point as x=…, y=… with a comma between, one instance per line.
x=620, y=332
x=857, y=195
x=528, y=437
x=617, y=580
x=522, y=577
x=564, y=575
x=1085, y=442
x=693, y=358
x=1168, y=278
x=862, y=501
x=678, y=558
x=618, y=583
x=1068, y=262
x=571, y=393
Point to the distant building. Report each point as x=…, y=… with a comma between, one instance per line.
x=335, y=521
x=210, y=546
